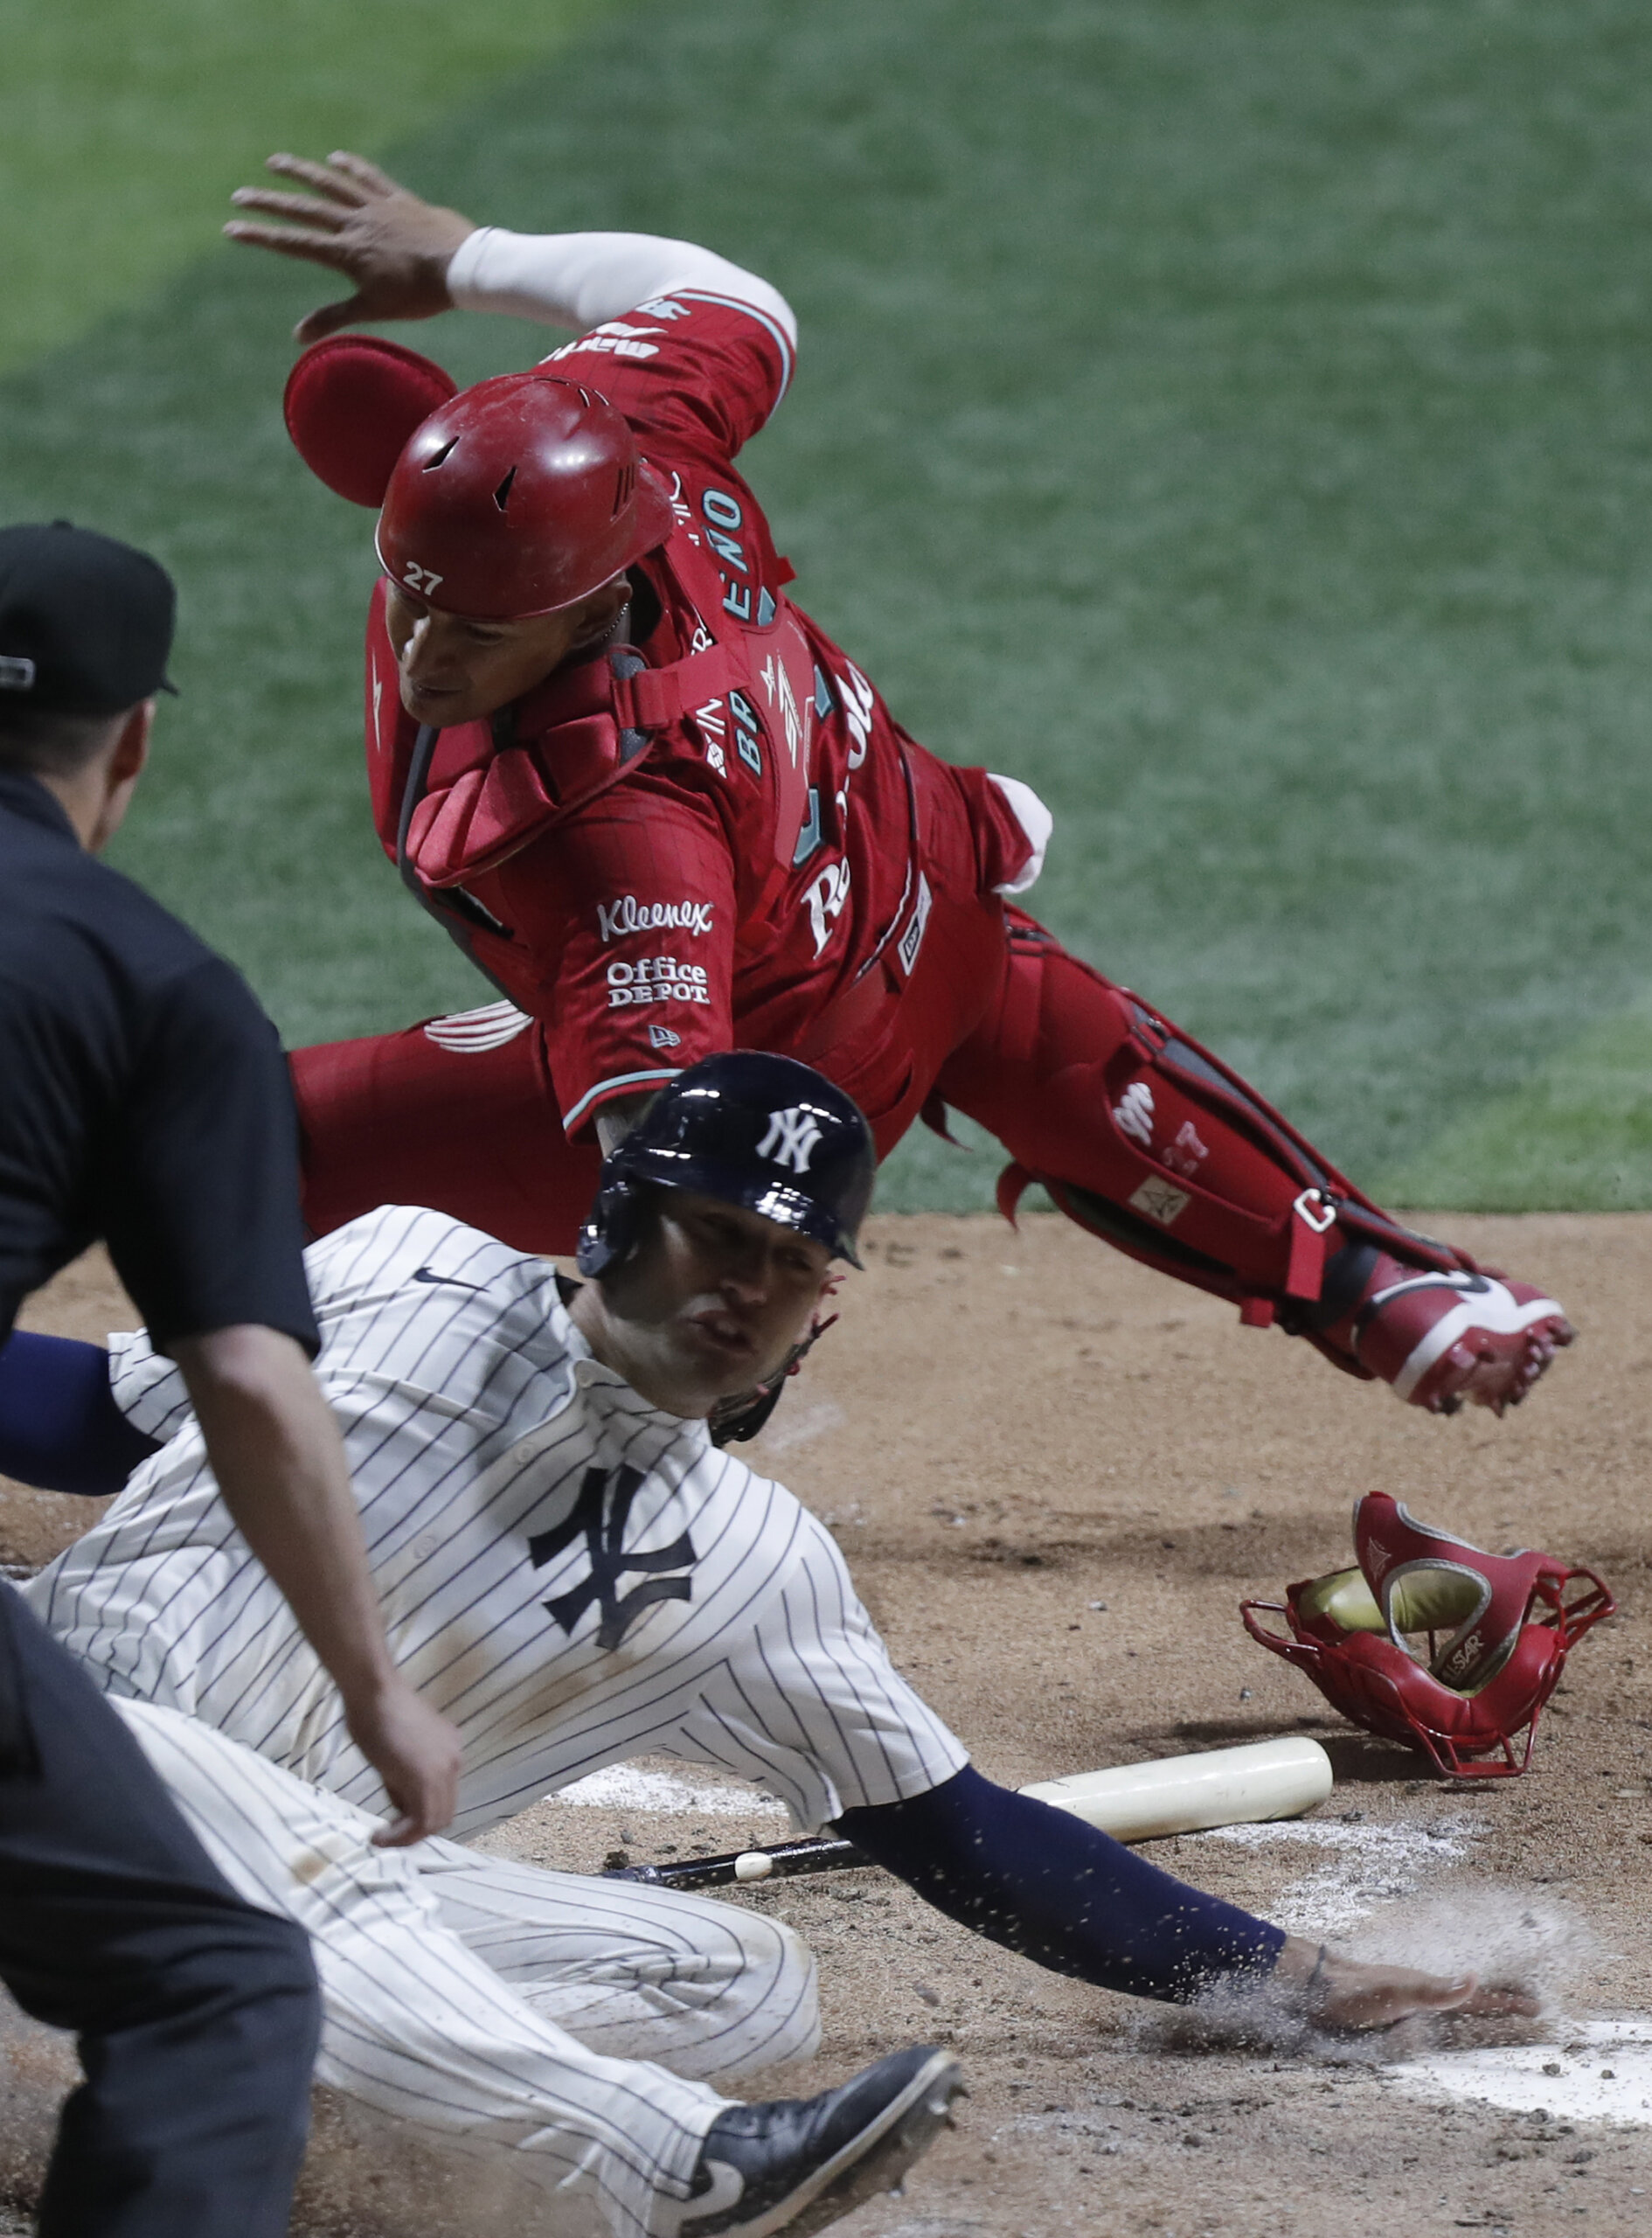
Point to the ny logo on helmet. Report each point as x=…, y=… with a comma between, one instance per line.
x=791, y=1138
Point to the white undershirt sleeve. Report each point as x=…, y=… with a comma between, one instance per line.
x=578, y=280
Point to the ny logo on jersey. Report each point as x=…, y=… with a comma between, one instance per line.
x=791, y=1138
x=605, y=1543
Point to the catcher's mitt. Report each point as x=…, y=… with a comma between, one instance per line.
x=1498, y=1628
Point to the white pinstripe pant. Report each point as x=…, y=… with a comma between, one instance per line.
x=514, y=2010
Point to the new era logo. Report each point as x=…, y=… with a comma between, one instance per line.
x=791, y=1139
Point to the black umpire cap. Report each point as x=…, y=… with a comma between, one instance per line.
x=86, y=624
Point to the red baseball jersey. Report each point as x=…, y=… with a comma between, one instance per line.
x=718, y=837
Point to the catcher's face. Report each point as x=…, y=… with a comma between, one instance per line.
x=456, y=668
x=710, y=1303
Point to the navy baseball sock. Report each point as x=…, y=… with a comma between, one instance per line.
x=60, y=1426
x=1043, y=1884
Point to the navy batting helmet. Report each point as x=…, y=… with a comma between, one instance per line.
x=757, y=1130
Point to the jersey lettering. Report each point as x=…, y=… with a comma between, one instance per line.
x=858, y=713
x=604, y=1544
x=746, y=732
x=613, y=339
x=825, y=900
x=725, y=547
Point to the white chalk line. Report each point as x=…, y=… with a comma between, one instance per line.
x=800, y=1429
x=1603, y=2074
x=627, y=1787
x=1369, y=1865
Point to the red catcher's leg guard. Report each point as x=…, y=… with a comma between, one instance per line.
x=459, y=1113
x=1145, y=1138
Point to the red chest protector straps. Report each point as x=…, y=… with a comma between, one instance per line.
x=502, y=783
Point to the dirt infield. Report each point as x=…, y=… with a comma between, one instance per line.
x=1054, y=1475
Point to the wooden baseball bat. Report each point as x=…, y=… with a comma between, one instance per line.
x=1133, y=1803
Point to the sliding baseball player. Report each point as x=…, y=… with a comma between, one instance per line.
x=665, y=814
x=576, y=1573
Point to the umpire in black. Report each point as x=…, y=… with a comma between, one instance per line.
x=144, y=1099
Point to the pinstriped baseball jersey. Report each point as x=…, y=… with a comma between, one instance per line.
x=572, y=1575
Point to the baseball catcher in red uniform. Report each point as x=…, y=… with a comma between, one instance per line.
x=665, y=814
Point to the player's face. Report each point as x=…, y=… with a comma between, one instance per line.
x=712, y=1302
x=455, y=669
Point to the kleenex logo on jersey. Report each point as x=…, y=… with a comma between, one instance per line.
x=628, y=914
x=657, y=979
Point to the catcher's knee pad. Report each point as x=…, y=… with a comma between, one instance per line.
x=1145, y=1138
x=1498, y=1628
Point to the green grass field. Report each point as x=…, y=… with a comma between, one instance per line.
x=1232, y=418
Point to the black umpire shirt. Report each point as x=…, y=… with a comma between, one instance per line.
x=143, y=1097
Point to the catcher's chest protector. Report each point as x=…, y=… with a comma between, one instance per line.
x=581, y=733
x=1499, y=1629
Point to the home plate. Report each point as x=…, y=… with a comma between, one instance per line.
x=1603, y=2074
x=631, y=1787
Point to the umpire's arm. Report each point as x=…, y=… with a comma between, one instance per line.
x=203, y=1224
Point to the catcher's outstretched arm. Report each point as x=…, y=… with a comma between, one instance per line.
x=411, y=259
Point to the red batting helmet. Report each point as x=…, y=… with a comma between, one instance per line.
x=520, y=496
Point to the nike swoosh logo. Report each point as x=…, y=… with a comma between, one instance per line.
x=430, y=1274
x=726, y=2189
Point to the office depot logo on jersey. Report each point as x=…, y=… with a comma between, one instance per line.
x=657, y=979
x=617, y=919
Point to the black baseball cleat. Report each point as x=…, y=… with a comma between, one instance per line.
x=798, y=2164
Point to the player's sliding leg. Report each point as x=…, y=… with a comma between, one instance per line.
x=1146, y=1139
x=415, y=2025
x=712, y=1990
x=459, y=1113
x=420, y=2027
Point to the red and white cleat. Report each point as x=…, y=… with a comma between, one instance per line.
x=1442, y=1338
